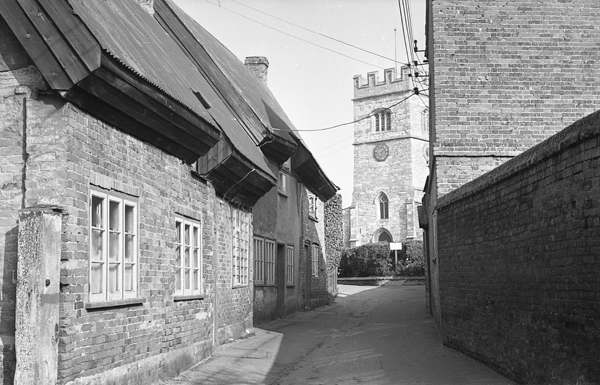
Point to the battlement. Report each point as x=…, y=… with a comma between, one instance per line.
x=372, y=86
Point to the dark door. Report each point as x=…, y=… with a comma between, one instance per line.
x=280, y=280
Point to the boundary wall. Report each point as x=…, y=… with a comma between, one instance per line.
x=519, y=262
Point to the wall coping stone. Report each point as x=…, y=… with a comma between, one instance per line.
x=582, y=130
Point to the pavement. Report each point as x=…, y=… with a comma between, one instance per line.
x=368, y=335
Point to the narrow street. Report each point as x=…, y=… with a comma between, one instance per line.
x=369, y=335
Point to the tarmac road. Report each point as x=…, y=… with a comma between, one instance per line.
x=369, y=335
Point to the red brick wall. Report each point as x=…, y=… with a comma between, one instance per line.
x=519, y=273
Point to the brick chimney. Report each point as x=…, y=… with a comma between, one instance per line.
x=148, y=5
x=259, y=65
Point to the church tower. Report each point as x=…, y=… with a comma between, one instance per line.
x=391, y=154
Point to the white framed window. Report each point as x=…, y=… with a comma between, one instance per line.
x=289, y=266
x=315, y=260
x=312, y=206
x=270, y=250
x=282, y=184
x=259, y=260
x=113, y=269
x=382, y=120
x=188, y=257
x=241, y=240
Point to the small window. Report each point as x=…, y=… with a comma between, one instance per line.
x=270, y=262
x=383, y=206
x=259, y=261
x=188, y=257
x=315, y=260
x=282, y=185
x=382, y=120
x=241, y=239
x=289, y=266
x=113, y=247
x=312, y=206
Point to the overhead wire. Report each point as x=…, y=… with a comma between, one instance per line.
x=318, y=33
x=295, y=37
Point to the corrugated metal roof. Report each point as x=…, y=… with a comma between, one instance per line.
x=139, y=42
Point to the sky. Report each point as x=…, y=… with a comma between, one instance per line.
x=312, y=63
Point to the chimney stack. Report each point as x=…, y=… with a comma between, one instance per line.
x=259, y=65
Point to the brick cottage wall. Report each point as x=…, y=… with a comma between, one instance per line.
x=519, y=273
x=66, y=153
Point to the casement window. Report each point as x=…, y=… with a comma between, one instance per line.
x=113, y=269
x=289, y=266
x=282, y=185
x=315, y=260
x=270, y=262
x=265, y=253
x=382, y=120
x=241, y=240
x=259, y=260
x=312, y=206
x=188, y=257
x=383, y=206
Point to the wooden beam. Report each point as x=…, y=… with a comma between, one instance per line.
x=156, y=99
x=75, y=31
x=115, y=93
x=126, y=123
x=35, y=46
x=67, y=57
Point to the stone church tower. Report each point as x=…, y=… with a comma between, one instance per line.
x=391, y=154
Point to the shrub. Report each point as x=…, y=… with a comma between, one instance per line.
x=413, y=261
x=372, y=259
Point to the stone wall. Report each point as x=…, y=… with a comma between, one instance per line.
x=402, y=172
x=519, y=275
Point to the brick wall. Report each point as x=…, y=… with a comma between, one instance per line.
x=519, y=274
x=67, y=152
x=507, y=75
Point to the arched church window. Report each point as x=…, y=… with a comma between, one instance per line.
x=382, y=120
x=383, y=206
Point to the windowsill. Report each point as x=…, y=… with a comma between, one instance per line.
x=261, y=284
x=313, y=218
x=290, y=285
x=283, y=194
x=192, y=297
x=114, y=304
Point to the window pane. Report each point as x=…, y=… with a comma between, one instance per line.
x=187, y=234
x=187, y=278
x=97, y=283
x=114, y=217
x=195, y=240
x=178, y=230
x=178, y=278
x=113, y=254
x=129, y=219
x=97, y=212
x=128, y=278
x=129, y=247
x=195, y=278
x=113, y=278
x=195, y=262
x=97, y=245
x=187, y=257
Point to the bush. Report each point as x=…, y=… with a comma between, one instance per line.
x=372, y=259
x=413, y=261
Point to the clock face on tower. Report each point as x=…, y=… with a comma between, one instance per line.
x=381, y=152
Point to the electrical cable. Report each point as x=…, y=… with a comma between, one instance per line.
x=318, y=33
x=295, y=37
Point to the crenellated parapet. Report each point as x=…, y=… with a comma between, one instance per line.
x=393, y=81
